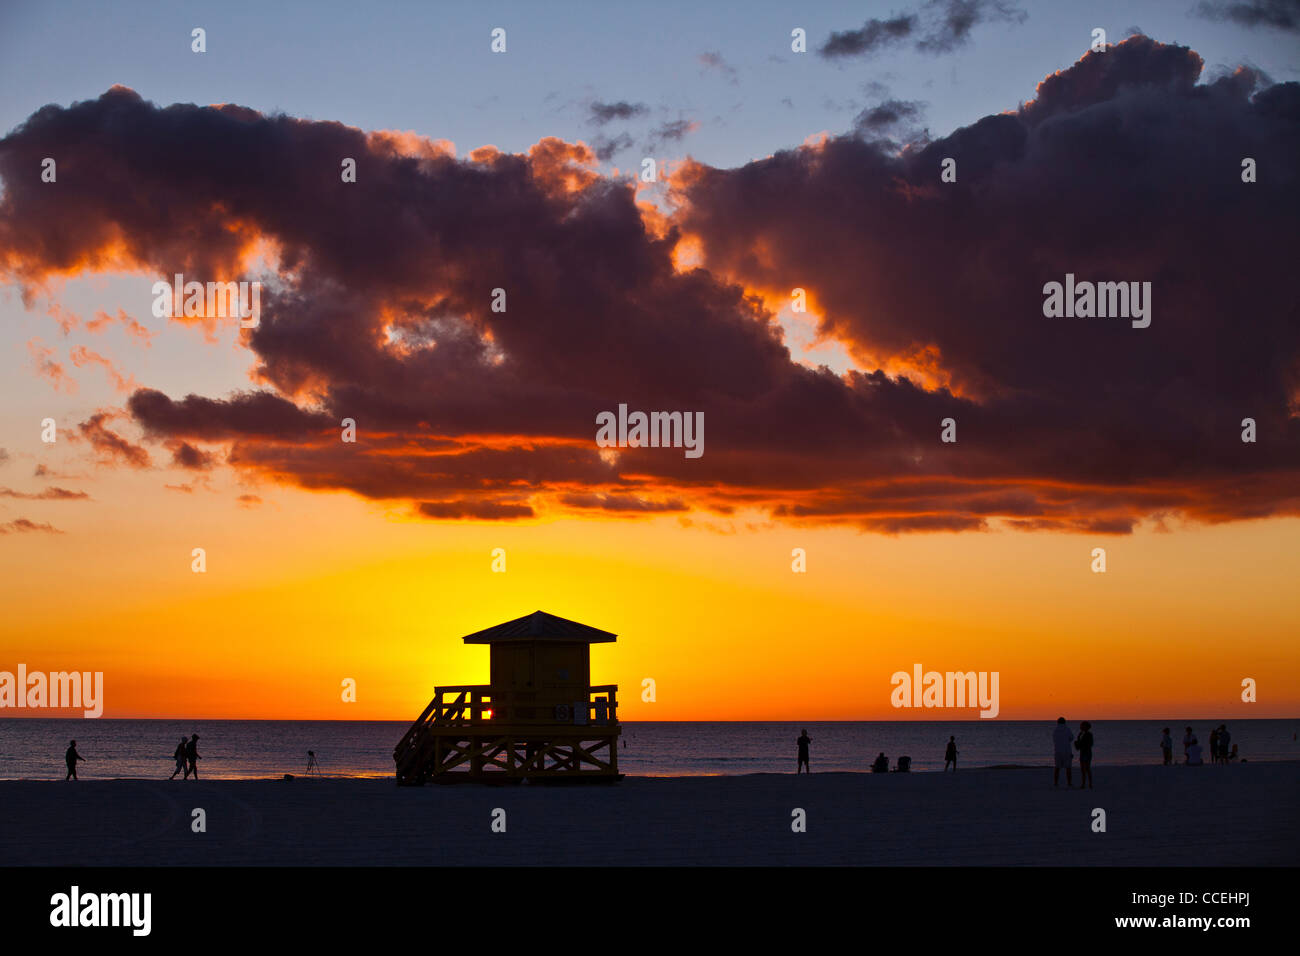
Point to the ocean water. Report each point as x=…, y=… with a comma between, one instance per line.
x=32, y=748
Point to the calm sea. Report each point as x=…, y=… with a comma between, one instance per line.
x=231, y=749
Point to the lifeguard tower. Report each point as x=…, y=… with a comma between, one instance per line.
x=540, y=718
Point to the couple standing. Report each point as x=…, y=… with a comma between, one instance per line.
x=1062, y=742
x=187, y=758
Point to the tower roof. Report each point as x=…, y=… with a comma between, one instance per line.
x=540, y=626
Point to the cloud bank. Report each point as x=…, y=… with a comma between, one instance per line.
x=1121, y=167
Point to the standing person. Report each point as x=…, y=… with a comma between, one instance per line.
x=179, y=756
x=1167, y=747
x=1084, y=743
x=803, y=742
x=71, y=758
x=1225, y=738
x=950, y=755
x=1188, y=739
x=312, y=765
x=1062, y=738
x=1214, y=745
x=192, y=757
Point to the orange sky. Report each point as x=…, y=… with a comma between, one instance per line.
x=305, y=589
x=309, y=589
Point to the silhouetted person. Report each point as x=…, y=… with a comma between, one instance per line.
x=72, y=757
x=179, y=755
x=1193, y=754
x=1189, y=738
x=1214, y=745
x=881, y=765
x=950, y=755
x=1233, y=756
x=803, y=742
x=1062, y=739
x=312, y=765
x=1084, y=743
x=1167, y=747
x=192, y=757
x=1225, y=738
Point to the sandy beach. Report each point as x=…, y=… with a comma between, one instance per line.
x=1156, y=816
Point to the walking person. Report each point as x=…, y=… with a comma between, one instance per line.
x=179, y=757
x=192, y=757
x=1167, y=747
x=1062, y=739
x=950, y=755
x=312, y=765
x=71, y=758
x=803, y=742
x=1084, y=745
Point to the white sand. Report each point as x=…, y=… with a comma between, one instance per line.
x=1156, y=816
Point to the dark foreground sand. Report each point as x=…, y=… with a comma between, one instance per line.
x=1156, y=816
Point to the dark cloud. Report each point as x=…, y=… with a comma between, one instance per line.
x=890, y=117
x=953, y=20
x=23, y=526
x=943, y=284
x=380, y=308
x=1278, y=14
x=601, y=113
x=52, y=493
x=185, y=455
x=672, y=131
x=941, y=26
x=111, y=447
x=244, y=414
x=1163, y=73
x=625, y=503
x=874, y=35
x=479, y=510
x=607, y=147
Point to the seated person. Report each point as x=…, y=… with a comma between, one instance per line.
x=904, y=765
x=881, y=765
x=1194, y=754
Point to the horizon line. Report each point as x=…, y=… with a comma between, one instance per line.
x=767, y=720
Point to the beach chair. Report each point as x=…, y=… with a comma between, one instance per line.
x=904, y=765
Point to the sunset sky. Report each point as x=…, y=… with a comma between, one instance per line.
x=476, y=429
